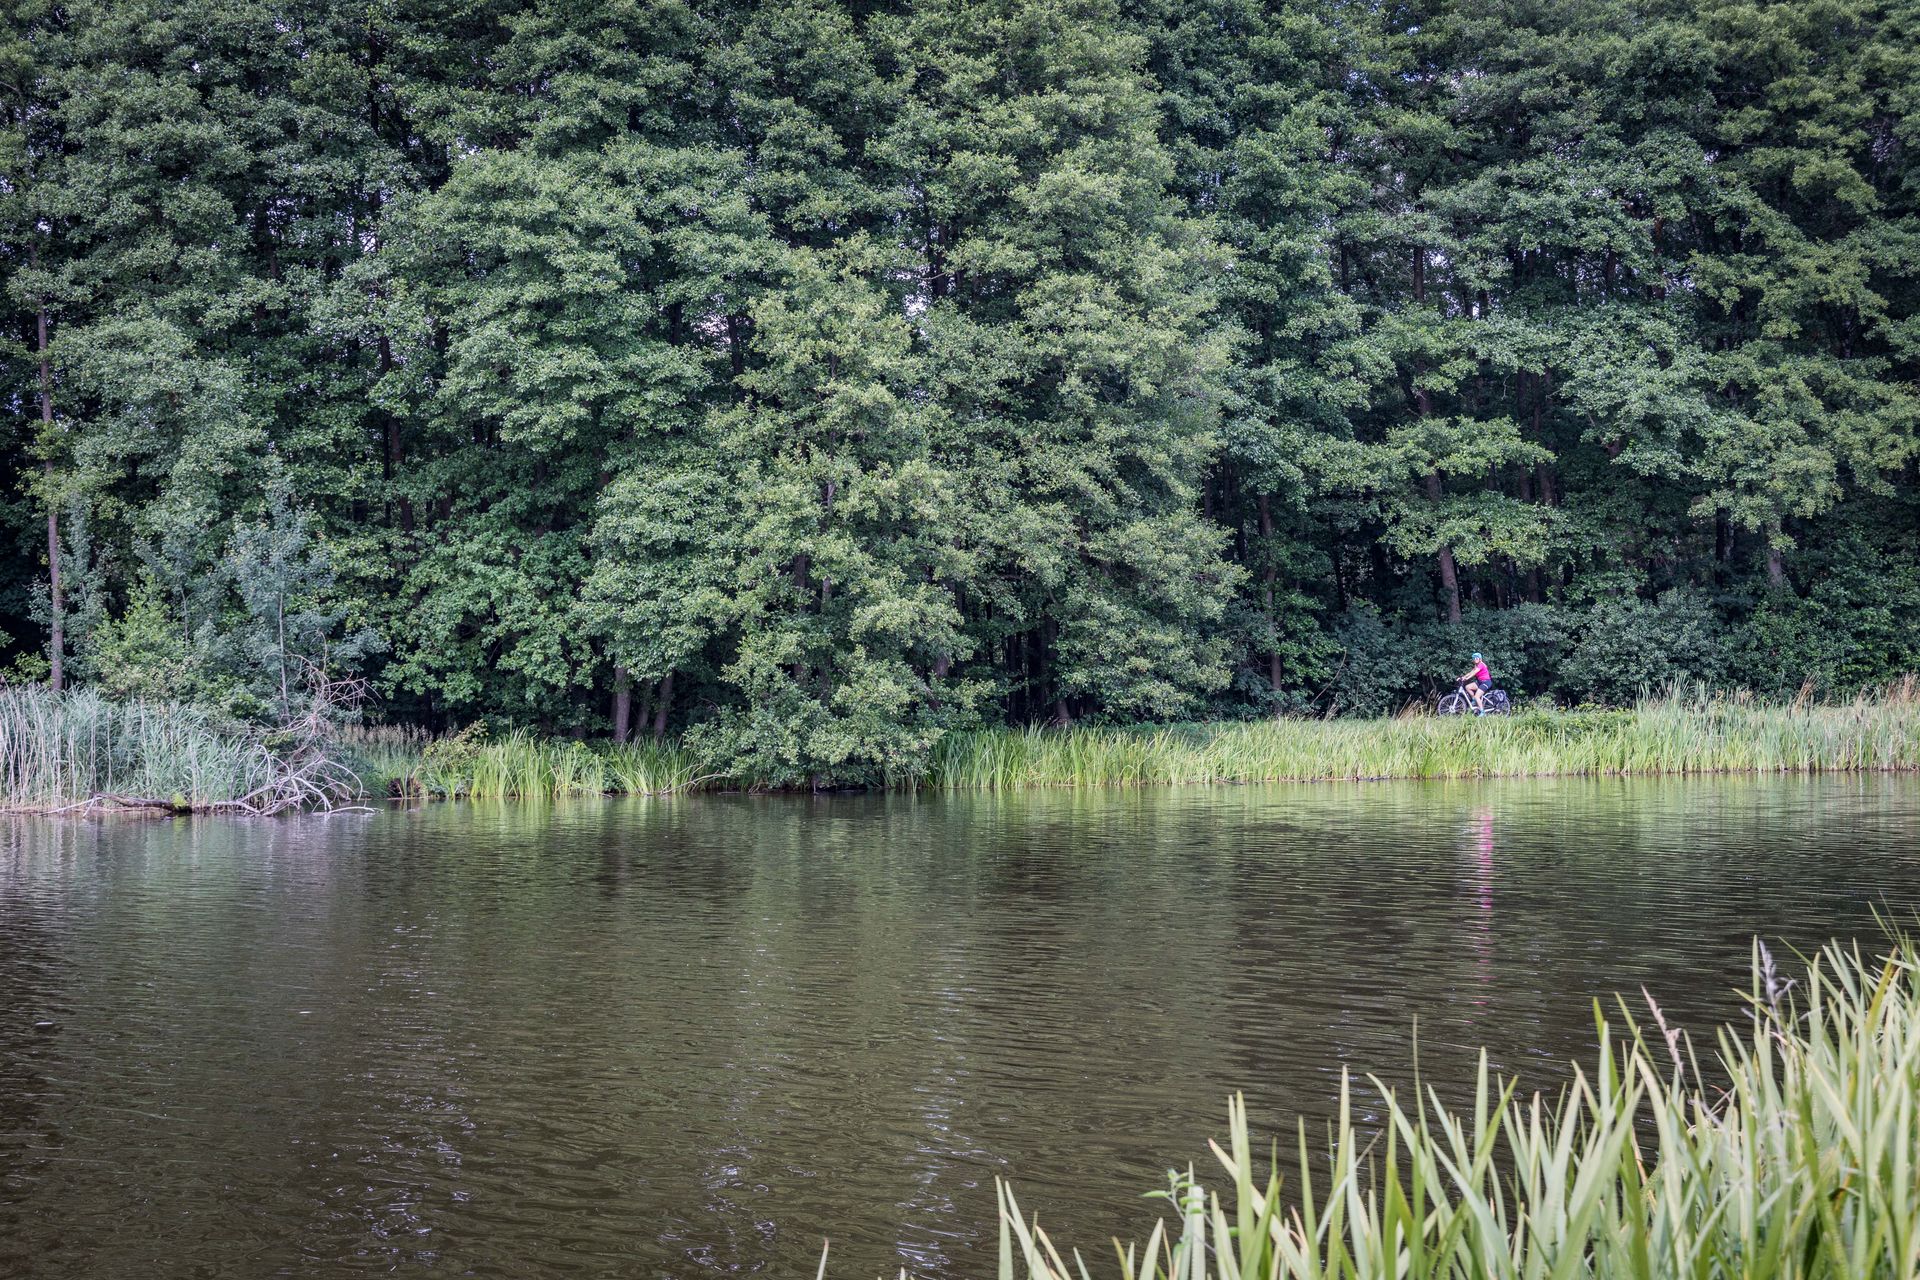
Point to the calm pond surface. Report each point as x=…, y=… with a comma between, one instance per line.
x=643, y=1038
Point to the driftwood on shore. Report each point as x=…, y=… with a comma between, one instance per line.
x=103, y=800
x=291, y=791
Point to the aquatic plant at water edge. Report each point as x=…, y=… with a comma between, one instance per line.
x=474, y=765
x=79, y=750
x=61, y=749
x=1672, y=735
x=1795, y=1154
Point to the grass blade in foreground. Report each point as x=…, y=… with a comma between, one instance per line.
x=1800, y=1166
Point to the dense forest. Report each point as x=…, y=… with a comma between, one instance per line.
x=810, y=378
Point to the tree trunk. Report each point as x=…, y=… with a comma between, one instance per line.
x=622, y=702
x=660, y=713
x=1532, y=581
x=1377, y=562
x=1045, y=667
x=1776, y=561
x=280, y=626
x=1543, y=472
x=390, y=457
x=737, y=343
x=801, y=565
x=57, y=641
x=1449, y=572
x=1266, y=586
x=643, y=706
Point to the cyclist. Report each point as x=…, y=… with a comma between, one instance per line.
x=1475, y=683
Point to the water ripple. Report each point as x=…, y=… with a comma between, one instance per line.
x=646, y=1038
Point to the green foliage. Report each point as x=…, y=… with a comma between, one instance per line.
x=287, y=624
x=1630, y=648
x=812, y=381
x=1854, y=628
x=245, y=638
x=1386, y=667
x=839, y=535
x=142, y=654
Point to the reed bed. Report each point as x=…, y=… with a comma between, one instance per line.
x=61, y=749
x=517, y=766
x=385, y=756
x=1795, y=1157
x=57, y=749
x=1659, y=736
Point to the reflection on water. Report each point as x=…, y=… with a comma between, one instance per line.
x=665, y=1038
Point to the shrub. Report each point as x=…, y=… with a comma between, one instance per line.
x=1630, y=647
x=1854, y=629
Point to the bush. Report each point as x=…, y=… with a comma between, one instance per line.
x=1854, y=630
x=1629, y=647
x=1379, y=670
x=1385, y=666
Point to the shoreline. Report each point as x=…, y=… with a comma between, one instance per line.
x=105, y=807
x=1667, y=738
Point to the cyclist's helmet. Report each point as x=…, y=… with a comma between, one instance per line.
x=1478, y=658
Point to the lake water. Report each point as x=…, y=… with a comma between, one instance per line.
x=670, y=1038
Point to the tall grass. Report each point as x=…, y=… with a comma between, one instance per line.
x=385, y=756
x=1674, y=735
x=519, y=765
x=58, y=749
x=61, y=749
x=1801, y=1163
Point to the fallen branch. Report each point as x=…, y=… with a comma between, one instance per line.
x=98, y=798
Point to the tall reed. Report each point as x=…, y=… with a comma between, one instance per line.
x=1801, y=1162
x=1674, y=735
x=384, y=756
x=56, y=749
x=60, y=749
x=472, y=766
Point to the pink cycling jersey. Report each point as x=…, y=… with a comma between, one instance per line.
x=1480, y=672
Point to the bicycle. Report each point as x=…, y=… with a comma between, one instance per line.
x=1494, y=702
